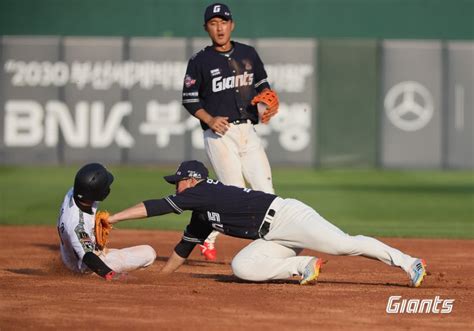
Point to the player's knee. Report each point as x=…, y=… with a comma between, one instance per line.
x=244, y=268
x=149, y=254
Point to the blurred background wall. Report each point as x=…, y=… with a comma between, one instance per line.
x=413, y=19
x=379, y=83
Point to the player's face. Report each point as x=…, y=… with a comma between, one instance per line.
x=182, y=185
x=220, y=30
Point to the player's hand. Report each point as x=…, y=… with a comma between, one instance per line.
x=219, y=124
x=112, y=219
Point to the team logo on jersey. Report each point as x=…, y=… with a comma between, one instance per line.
x=215, y=72
x=221, y=84
x=247, y=64
x=189, y=81
x=86, y=241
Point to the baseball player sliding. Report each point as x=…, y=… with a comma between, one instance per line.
x=222, y=86
x=80, y=251
x=280, y=229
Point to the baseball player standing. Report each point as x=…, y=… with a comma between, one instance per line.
x=280, y=229
x=79, y=251
x=222, y=87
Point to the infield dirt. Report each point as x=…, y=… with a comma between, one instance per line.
x=37, y=292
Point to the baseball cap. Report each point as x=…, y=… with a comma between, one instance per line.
x=188, y=169
x=219, y=10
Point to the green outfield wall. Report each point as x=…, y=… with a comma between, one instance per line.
x=420, y=19
x=347, y=107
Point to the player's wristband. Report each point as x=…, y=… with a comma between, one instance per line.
x=184, y=248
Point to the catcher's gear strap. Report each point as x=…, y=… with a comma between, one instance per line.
x=184, y=248
x=94, y=263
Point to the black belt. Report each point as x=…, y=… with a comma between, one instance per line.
x=267, y=221
x=240, y=121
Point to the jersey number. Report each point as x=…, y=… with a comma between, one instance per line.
x=214, y=217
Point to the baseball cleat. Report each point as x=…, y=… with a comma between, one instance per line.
x=209, y=251
x=417, y=272
x=311, y=272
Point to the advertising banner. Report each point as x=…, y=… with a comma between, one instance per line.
x=460, y=145
x=411, y=112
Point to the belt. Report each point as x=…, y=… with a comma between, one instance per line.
x=269, y=217
x=241, y=121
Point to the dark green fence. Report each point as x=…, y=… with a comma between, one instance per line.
x=347, y=108
x=419, y=19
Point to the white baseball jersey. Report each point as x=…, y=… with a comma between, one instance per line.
x=76, y=231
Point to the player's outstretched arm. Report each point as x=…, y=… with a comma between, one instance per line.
x=136, y=212
x=173, y=263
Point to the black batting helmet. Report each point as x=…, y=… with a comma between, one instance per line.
x=92, y=182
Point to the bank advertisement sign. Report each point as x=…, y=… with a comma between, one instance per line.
x=118, y=100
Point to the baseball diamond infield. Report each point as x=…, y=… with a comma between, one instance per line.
x=36, y=291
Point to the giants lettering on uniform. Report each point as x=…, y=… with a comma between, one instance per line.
x=220, y=84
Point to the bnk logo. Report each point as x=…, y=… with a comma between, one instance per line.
x=397, y=305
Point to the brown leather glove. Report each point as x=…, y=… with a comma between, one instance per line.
x=102, y=229
x=269, y=98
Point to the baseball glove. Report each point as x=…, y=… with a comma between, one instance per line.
x=102, y=229
x=269, y=98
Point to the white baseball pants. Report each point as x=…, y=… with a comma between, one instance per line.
x=128, y=259
x=239, y=156
x=297, y=226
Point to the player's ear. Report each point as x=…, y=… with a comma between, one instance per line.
x=232, y=26
x=205, y=27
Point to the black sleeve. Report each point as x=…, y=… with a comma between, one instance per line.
x=195, y=198
x=198, y=229
x=261, y=80
x=196, y=232
x=192, y=82
x=158, y=207
x=94, y=263
x=184, y=248
x=190, y=199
